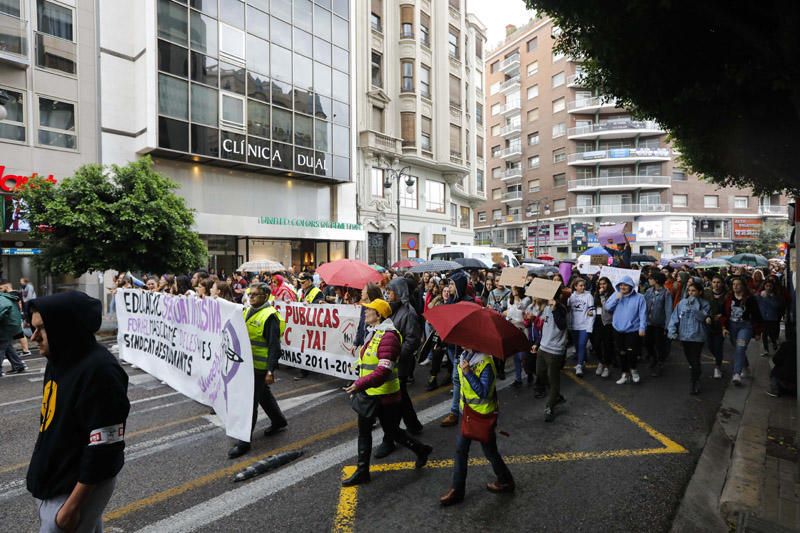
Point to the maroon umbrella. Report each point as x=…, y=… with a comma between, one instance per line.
x=477, y=328
x=348, y=273
x=404, y=263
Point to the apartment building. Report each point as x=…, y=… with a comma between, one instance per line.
x=564, y=160
x=419, y=84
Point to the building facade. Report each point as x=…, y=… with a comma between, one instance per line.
x=564, y=160
x=420, y=110
x=248, y=106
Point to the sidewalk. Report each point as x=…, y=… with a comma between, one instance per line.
x=108, y=328
x=747, y=476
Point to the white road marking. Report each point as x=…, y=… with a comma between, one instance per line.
x=36, y=380
x=157, y=397
x=140, y=379
x=28, y=372
x=158, y=407
x=23, y=400
x=307, y=401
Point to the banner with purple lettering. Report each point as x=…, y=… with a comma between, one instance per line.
x=198, y=346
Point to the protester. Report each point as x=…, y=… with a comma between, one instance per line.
x=379, y=380
x=222, y=289
x=515, y=313
x=310, y=295
x=630, y=323
x=458, y=290
x=603, y=333
x=282, y=291
x=10, y=329
x=581, y=320
x=659, y=310
x=550, y=352
x=688, y=324
x=80, y=447
x=741, y=321
x=771, y=306
x=716, y=296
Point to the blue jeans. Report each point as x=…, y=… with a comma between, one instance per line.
x=580, y=338
x=462, y=458
x=519, y=364
x=451, y=353
x=740, y=335
x=716, y=344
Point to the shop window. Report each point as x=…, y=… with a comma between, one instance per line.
x=12, y=128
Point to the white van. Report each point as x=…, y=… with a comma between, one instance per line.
x=486, y=254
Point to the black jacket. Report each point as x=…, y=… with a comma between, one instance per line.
x=406, y=321
x=85, y=403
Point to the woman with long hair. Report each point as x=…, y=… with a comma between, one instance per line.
x=603, y=331
x=687, y=324
x=581, y=320
x=515, y=313
x=741, y=321
x=222, y=289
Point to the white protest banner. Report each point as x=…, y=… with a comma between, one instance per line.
x=616, y=274
x=319, y=337
x=198, y=346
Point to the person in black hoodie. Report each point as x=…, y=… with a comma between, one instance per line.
x=80, y=447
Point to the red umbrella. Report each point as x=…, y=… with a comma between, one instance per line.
x=545, y=257
x=348, y=273
x=477, y=328
x=405, y=263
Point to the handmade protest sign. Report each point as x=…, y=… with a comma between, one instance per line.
x=614, y=234
x=514, y=277
x=615, y=274
x=198, y=346
x=598, y=260
x=542, y=288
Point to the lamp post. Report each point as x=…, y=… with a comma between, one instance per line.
x=390, y=173
x=538, y=217
x=4, y=99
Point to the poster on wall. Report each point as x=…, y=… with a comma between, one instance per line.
x=650, y=230
x=679, y=230
x=561, y=232
x=746, y=228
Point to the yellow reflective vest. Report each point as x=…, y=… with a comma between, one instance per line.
x=486, y=405
x=368, y=362
x=309, y=298
x=255, y=330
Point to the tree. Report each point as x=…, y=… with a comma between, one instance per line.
x=722, y=77
x=119, y=217
x=766, y=242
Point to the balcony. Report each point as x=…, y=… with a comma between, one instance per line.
x=513, y=196
x=619, y=156
x=594, y=104
x=513, y=218
x=615, y=129
x=620, y=183
x=575, y=80
x=512, y=152
x=616, y=210
x=455, y=157
x=379, y=142
x=773, y=210
x=510, y=65
x=511, y=108
x=14, y=41
x=510, y=85
x=511, y=174
x=512, y=130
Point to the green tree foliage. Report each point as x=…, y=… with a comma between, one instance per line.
x=721, y=76
x=119, y=217
x=767, y=241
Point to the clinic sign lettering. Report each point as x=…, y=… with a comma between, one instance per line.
x=274, y=156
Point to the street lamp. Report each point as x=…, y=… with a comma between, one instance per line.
x=388, y=174
x=4, y=99
x=538, y=217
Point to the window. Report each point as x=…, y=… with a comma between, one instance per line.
x=497, y=109
x=533, y=138
x=452, y=42
x=534, y=186
x=533, y=91
x=710, y=201
x=57, y=123
x=376, y=182
x=204, y=107
x=680, y=200
x=559, y=180
x=740, y=202
x=231, y=43
x=479, y=48
x=531, y=45
x=232, y=116
x=434, y=196
x=678, y=175
x=533, y=68
x=455, y=91
x=173, y=97
x=173, y=22
x=425, y=141
x=533, y=114
x=557, y=80
x=497, y=194
x=479, y=146
x=479, y=113
x=497, y=214
x=557, y=55
x=479, y=181
x=559, y=105
x=408, y=194
x=481, y=216
x=375, y=15
x=425, y=81
x=425, y=28
x=377, y=69
x=560, y=205
x=496, y=130
x=559, y=155
x=11, y=7
x=455, y=141
x=12, y=128
x=377, y=119
x=453, y=214
x=407, y=77
x=408, y=127
x=55, y=26
x=406, y=22
x=454, y=4
x=559, y=130
x=533, y=161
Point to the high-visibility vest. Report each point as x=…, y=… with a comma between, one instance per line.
x=255, y=330
x=486, y=405
x=309, y=298
x=368, y=362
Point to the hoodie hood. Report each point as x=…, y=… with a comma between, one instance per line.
x=460, y=279
x=11, y=296
x=400, y=287
x=71, y=319
x=626, y=280
x=278, y=280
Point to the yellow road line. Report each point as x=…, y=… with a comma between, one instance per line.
x=348, y=500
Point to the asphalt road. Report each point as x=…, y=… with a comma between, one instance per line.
x=617, y=458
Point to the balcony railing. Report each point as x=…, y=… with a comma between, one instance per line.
x=510, y=83
x=512, y=106
x=721, y=234
x=615, y=126
x=510, y=130
x=619, y=153
x=514, y=217
x=378, y=141
x=512, y=196
x=620, y=181
x=510, y=151
x=575, y=80
x=13, y=36
x=773, y=210
x=621, y=209
x=510, y=63
x=406, y=34
x=594, y=101
x=511, y=174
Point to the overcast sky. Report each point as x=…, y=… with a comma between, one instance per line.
x=495, y=14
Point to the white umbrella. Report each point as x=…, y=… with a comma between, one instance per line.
x=263, y=265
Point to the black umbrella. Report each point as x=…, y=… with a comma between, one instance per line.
x=642, y=258
x=470, y=263
x=437, y=265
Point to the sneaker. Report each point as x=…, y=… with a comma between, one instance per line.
x=773, y=391
x=517, y=384
x=599, y=371
x=765, y=354
x=548, y=414
x=737, y=380
x=717, y=373
x=579, y=370
x=26, y=354
x=635, y=375
x=606, y=372
x=426, y=362
x=624, y=379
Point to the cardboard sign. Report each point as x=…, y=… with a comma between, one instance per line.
x=598, y=260
x=514, y=277
x=615, y=274
x=542, y=288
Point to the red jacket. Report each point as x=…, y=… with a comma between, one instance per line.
x=389, y=351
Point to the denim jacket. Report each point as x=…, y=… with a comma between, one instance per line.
x=687, y=322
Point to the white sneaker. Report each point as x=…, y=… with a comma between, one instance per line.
x=599, y=370
x=426, y=362
x=635, y=375
x=717, y=373
x=605, y=373
x=579, y=370
x=737, y=380
x=624, y=379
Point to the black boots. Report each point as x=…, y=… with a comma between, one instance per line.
x=361, y=475
x=695, y=388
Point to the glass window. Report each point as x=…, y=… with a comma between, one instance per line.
x=323, y=107
x=341, y=59
x=257, y=54
x=10, y=7
x=452, y=43
x=258, y=86
x=710, y=201
x=263, y=5
x=204, y=105
x=425, y=81
x=303, y=42
x=533, y=68
x=341, y=86
x=434, y=196
x=559, y=180
x=281, y=32
x=680, y=200
x=559, y=130
x=302, y=14
x=303, y=130
x=322, y=79
x=281, y=125
x=281, y=63
x=56, y=20
x=203, y=33
x=173, y=22
x=559, y=205
x=209, y=7
x=173, y=134
x=558, y=79
x=740, y=202
x=426, y=127
x=231, y=41
x=532, y=44
x=341, y=32
x=57, y=123
x=533, y=91
x=408, y=194
x=322, y=51
x=303, y=72
x=173, y=59
x=232, y=111
x=232, y=12
x=342, y=8
x=323, y=131
x=257, y=22
x=322, y=23
x=12, y=127
x=377, y=69
x=341, y=167
x=282, y=9
x=559, y=105
x=205, y=69
x=533, y=161
x=341, y=113
x=173, y=97
x=232, y=78
x=257, y=118
x=205, y=141
x=236, y=140
x=376, y=182
x=341, y=140
x=407, y=76
x=304, y=101
x=282, y=94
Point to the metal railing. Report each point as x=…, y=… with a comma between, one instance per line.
x=620, y=181
x=511, y=173
x=615, y=125
x=620, y=209
x=513, y=128
x=510, y=62
x=575, y=80
x=514, y=105
x=774, y=210
x=509, y=83
x=511, y=150
x=513, y=195
x=593, y=101
x=620, y=153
